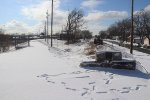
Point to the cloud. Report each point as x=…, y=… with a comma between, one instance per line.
x=100, y=15
x=139, y=12
x=147, y=8
x=18, y=27
x=95, y=19
x=38, y=12
x=96, y=27
x=91, y=3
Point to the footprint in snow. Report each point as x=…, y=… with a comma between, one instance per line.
x=115, y=99
x=77, y=72
x=111, y=77
x=63, y=83
x=84, y=93
x=71, y=89
x=142, y=85
x=103, y=92
x=93, y=88
x=86, y=89
x=92, y=83
x=137, y=88
x=83, y=77
x=124, y=91
x=57, y=74
x=107, y=82
x=51, y=82
x=128, y=88
x=113, y=89
x=44, y=75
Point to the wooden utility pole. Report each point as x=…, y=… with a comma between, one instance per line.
x=47, y=26
x=52, y=25
x=132, y=31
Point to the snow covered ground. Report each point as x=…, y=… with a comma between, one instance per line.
x=39, y=72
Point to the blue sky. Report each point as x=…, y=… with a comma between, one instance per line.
x=29, y=15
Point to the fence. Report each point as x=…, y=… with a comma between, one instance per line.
x=15, y=41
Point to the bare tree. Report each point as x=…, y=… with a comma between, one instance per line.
x=103, y=34
x=139, y=25
x=146, y=24
x=86, y=34
x=74, y=23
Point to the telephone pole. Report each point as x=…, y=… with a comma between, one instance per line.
x=52, y=25
x=132, y=31
x=47, y=25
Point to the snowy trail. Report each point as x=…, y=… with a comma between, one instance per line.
x=36, y=73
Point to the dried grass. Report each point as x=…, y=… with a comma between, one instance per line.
x=91, y=49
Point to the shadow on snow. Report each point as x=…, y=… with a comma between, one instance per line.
x=124, y=72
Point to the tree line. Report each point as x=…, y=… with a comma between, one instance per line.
x=122, y=28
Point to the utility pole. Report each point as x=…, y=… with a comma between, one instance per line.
x=45, y=31
x=47, y=25
x=52, y=25
x=132, y=31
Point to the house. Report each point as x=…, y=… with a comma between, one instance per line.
x=136, y=39
x=146, y=41
x=115, y=37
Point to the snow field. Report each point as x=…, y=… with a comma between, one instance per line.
x=40, y=72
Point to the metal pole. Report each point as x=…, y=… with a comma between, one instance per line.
x=45, y=31
x=47, y=26
x=132, y=31
x=52, y=25
x=28, y=41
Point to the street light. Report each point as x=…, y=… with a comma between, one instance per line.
x=132, y=9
